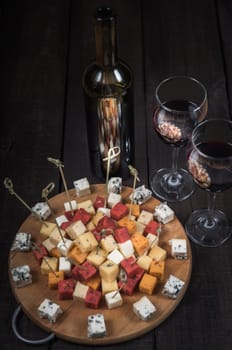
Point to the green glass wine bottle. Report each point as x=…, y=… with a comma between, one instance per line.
x=108, y=90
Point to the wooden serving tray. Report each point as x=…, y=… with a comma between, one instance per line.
x=121, y=323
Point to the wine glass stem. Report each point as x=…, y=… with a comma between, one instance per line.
x=211, y=202
x=175, y=157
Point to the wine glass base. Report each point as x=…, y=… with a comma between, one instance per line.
x=172, y=187
x=208, y=232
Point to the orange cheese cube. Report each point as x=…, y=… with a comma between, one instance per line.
x=157, y=253
x=94, y=282
x=55, y=252
x=140, y=243
x=135, y=209
x=147, y=284
x=54, y=278
x=126, y=222
x=76, y=256
x=157, y=269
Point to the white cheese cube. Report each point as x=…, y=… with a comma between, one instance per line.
x=105, y=211
x=42, y=209
x=145, y=217
x=144, y=308
x=179, y=248
x=108, y=243
x=126, y=248
x=140, y=195
x=113, y=299
x=65, y=265
x=61, y=220
x=172, y=287
x=22, y=242
x=113, y=199
x=21, y=276
x=87, y=205
x=48, y=244
x=115, y=185
x=50, y=310
x=96, y=326
x=80, y=291
x=82, y=187
x=65, y=246
x=70, y=206
x=163, y=213
x=115, y=256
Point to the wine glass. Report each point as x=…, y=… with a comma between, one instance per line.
x=210, y=164
x=181, y=102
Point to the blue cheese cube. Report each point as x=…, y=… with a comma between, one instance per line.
x=42, y=209
x=115, y=185
x=22, y=242
x=172, y=287
x=178, y=248
x=96, y=326
x=113, y=299
x=163, y=213
x=21, y=276
x=140, y=195
x=144, y=308
x=82, y=187
x=50, y=310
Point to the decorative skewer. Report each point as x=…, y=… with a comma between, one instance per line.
x=9, y=186
x=134, y=173
x=60, y=165
x=45, y=192
x=35, y=246
x=112, y=153
x=117, y=291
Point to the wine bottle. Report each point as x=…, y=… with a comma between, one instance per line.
x=108, y=90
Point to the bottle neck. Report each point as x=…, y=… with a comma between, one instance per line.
x=105, y=36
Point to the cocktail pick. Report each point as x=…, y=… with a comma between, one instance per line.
x=60, y=165
x=113, y=152
x=9, y=186
x=134, y=173
x=117, y=291
x=36, y=247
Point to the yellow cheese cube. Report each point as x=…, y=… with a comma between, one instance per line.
x=49, y=264
x=86, y=242
x=46, y=229
x=108, y=286
x=54, y=278
x=140, y=243
x=144, y=261
x=90, y=226
x=75, y=229
x=97, y=256
x=157, y=269
x=97, y=217
x=109, y=271
x=88, y=206
x=145, y=217
x=55, y=235
x=48, y=245
x=108, y=243
x=135, y=209
x=157, y=253
x=147, y=284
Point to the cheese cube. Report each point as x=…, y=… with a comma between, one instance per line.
x=65, y=265
x=147, y=284
x=75, y=229
x=109, y=271
x=128, y=222
x=144, y=308
x=172, y=287
x=82, y=187
x=130, y=266
x=65, y=246
x=96, y=326
x=54, y=278
x=94, y=282
x=66, y=289
x=97, y=256
x=49, y=264
x=140, y=243
x=22, y=242
x=105, y=211
x=97, y=217
x=108, y=286
x=84, y=272
x=42, y=209
x=80, y=291
x=113, y=199
x=126, y=248
x=140, y=195
x=179, y=248
x=134, y=208
x=86, y=242
x=56, y=235
x=144, y=262
x=48, y=245
x=88, y=206
x=69, y=206
x=163, y=213
x=145, y=217
x=108, y=243
x=115, y=185
x=157, y=253
x=157, y=269
x=115, y=256
x=50, y=310
x=113, y=299
x=21, y=276
x=93, y=298
x=76, y=256
x=118, y=211
x=46, y=229
x=62, y=219
x=152, y=240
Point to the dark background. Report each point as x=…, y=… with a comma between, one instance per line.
x=45, y=46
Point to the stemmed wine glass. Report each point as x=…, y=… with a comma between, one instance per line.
x=181, y=102
x=210, y=164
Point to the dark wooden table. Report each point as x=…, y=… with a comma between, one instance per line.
x=45, y=46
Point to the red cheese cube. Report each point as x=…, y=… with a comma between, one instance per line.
x=106, y=223
x=93, y=298
x=121, y=234
x=84, y=271
x=83, y=215
x=39, y=252
x=102, y=234
x=130, y=266
x=129, y=286
x=152, y=227
x=70, y=215
x=99, y=202
x=65, y=289
x=64, y=225
x=118, y=211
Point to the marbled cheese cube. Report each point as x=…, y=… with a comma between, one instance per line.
x=64, y=246
x=42, y=209
x=157, y=253
x=140, y=195
x=75, y=229
x=126, y=248
x=22, y=242
x=115, y=256
x=80, y=291
x=163, y=213
x=145, y=217
x=109, y=271
x=96, y=326
x=21, y=276
x=50, y=310
x=113, y=199
x=172, y=287
x=144, y=308
x=69, y=206
x=115, y=185
x=108, y=243
x=88, y=206
x=97, y=256
x=179, y=248
x=46, y=229
x=94, y=282
x=86, y=242
x=113, y=299
x=82, y=187
x=65, y=265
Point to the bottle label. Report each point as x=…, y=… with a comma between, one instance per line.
x=109, y=117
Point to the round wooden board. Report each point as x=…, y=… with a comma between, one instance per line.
x=121, y=323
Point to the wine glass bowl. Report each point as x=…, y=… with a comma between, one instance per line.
x=180, y=104
x=210, y=164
